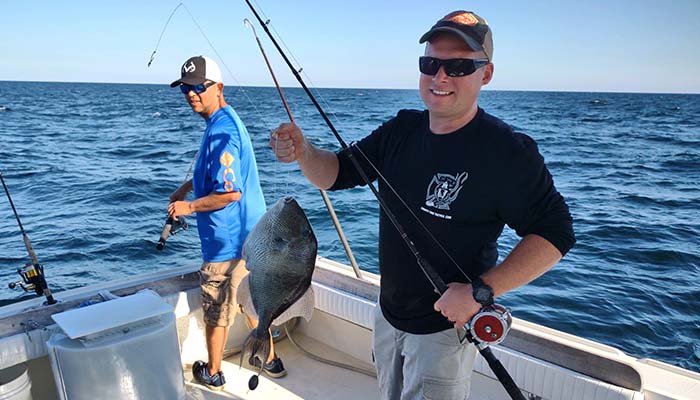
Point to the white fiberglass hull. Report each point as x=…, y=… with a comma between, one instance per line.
x=544, y=363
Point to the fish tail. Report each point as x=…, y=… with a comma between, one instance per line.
x=257, y=344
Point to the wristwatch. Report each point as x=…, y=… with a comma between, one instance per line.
x=483, y=293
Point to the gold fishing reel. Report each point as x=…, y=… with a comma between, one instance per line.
x=31, y=279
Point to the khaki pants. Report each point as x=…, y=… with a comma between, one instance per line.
x=416, y=367
x=219, y=281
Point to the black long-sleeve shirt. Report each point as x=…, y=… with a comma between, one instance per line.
x=464, y=187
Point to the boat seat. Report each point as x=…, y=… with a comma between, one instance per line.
x=552, y=381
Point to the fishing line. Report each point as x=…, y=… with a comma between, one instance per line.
x=423, y=264
x=256, y=111
x=353, y=147
x=247, y=23
x=324, y=195
x=204, y=35
x=161, y=34
x=338, y=122
x=300, y=69
x=221, y=59
x=482, y=345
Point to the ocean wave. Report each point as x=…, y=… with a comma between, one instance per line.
x=639, y=199
x=684, y=161
x=91, y=182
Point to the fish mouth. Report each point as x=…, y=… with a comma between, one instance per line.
x=288, y=199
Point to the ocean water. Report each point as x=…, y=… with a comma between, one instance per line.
x=90, y=168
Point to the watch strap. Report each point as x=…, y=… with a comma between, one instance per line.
x=482, y=292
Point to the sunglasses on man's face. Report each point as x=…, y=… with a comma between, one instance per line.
x=198, y=89
x=454, y=67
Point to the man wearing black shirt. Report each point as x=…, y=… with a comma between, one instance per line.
x=465, y=174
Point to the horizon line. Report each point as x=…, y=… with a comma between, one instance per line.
x=362, y=88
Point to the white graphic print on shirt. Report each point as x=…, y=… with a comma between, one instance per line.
x=443, y=189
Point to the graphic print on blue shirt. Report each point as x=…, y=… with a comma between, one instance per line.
x=226, y=164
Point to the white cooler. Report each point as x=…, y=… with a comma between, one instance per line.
x=126, y=348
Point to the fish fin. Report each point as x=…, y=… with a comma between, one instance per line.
x=256, y=344
x=303, y=307
x=244, y=298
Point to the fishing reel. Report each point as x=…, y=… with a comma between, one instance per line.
x=33, y=277
x=171, y=227
x=490, y=325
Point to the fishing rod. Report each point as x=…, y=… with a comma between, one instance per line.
x=434, y=279
x=324, y=195
x=177, y=224
x=254, y=380
x=170, y=228
x=495, y=321
x=171, y=225
x=32, y=273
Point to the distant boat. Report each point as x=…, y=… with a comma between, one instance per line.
x=544, y=363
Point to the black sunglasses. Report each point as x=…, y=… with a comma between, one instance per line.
x=198, y=89
x=454, y=67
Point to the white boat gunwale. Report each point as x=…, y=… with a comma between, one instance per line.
x=573, y=353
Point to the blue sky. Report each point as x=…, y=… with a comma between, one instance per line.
x=618, y=46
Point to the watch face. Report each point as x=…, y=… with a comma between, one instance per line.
x=481, y=294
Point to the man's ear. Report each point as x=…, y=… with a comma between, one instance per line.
x=488, y=74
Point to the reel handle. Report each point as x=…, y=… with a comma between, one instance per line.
x=13, y=285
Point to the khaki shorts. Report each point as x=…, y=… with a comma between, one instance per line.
x=219, y=281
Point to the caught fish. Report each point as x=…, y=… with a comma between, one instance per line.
x=280, y=253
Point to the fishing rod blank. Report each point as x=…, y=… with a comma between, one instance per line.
x=324, y=195
x=437, y=282
x=253, y=382
x=429, y=272
x=177, y=224
x=33, y=273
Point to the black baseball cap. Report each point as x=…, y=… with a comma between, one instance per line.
x=471, y=28
x=197, y=70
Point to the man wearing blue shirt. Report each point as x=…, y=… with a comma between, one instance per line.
x=228, y=202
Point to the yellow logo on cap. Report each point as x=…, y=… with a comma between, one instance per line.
x=463, y=18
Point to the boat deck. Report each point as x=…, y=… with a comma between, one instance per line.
x=544, y=362
x=306, y=378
